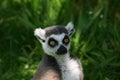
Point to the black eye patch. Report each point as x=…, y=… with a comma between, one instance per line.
x=52, y=42
x=66, y=40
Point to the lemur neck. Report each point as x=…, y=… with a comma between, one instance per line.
x=62, y=59
x=62, y=56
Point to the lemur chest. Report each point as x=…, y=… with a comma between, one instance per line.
x=70, y=70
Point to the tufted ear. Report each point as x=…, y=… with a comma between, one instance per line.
x=70, y=28
x=40, y=34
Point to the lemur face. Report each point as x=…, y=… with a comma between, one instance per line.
x=56, y=39
x=56, y=44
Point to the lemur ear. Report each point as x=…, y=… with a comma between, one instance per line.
x=40, y=34
x=70, y=28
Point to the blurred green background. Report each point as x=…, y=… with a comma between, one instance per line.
x=96, y=41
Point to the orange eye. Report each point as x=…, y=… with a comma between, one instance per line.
x=52, y=43
x=66, y=40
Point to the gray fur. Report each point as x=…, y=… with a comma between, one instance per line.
x=47, y=63
x=55, y=30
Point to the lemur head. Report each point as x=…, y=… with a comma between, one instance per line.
x=55, y=40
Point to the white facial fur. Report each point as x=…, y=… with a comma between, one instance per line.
x=52, y=50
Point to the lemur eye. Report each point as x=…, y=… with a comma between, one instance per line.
x=52, y=42
x=66, y=40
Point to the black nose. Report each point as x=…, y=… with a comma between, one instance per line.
x=61, y=50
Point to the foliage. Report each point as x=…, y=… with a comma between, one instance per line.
x=96, y=41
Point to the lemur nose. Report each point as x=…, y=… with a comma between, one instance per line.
x=61, y=50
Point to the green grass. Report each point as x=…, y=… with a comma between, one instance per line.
x=96, y=41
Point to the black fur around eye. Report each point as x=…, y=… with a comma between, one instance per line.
x=66, y=40
x=52, y=42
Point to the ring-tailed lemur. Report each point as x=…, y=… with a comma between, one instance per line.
x=57, y=63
